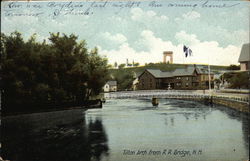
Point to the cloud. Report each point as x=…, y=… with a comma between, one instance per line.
x=203, y=52
x=225, y=36
x=187, y=39
x=210, y=52
x=116, y=38
x=155, y=47
x=137, y=14
x=42, y=25
x=191, y=15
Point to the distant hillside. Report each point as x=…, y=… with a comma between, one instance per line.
x=167, y=67
x=125, y=76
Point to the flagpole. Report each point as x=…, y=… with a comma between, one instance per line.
x=183, y=58
x=209, y=77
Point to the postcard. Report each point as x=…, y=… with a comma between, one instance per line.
x=134, y=80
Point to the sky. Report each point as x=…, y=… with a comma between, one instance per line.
x=140, y=31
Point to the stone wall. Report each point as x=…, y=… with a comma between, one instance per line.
x=237, y=105
x=240, y=106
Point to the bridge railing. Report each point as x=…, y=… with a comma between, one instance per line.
x=172, y=94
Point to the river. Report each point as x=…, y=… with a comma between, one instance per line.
x=129, y=129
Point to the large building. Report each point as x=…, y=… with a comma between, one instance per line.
x=190, y=77
x=244, y=58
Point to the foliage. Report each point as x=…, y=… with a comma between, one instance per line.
x=237, y=80
x=115, y=64
x=136, y=64
x=121, y=66
x=217, y=81
x=124, y=78
x=233, y=67
x=58, y=71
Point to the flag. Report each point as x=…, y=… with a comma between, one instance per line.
x=190, y=52
x=187, y=51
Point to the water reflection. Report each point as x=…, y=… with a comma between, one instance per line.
x=26, y=138
x=187, y=109
x=245, y=130
x=243, y=118
x=172, y=121
x=173, y=124
x=103, y=134
x=97, y=140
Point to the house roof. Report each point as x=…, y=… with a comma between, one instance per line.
x=112, y=83
x=156, y=73
x=245, y=54
x=202, y=70
x=184, y=71
x=178, y=72
x=137, y=74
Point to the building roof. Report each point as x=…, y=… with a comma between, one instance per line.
x=189, y=70
x=184, y=71
x=202, y=70
x=245, y=54
x=158, y=73
x=112, y=83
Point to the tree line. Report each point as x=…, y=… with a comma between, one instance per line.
x=236, y=80
x=61, y=70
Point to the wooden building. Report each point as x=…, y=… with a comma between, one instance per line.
x=190, y=77
x=244, y=58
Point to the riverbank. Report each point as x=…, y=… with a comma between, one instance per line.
x=233, y=104
x=46, y=129
x=40, y=108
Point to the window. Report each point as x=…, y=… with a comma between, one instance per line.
x=178, y=77
x=195, y=84
x=187, y=84
x=187, y=78
x=178, y=84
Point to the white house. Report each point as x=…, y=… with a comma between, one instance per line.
x=110, y=86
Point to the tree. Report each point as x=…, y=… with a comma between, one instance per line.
x=98, y=73
x=56, y=72
x=233, y=67
x=136, y=64
x=115, y=65
x=129, y=65
x=124, y=78
x=121, y=66
x=237, y=80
